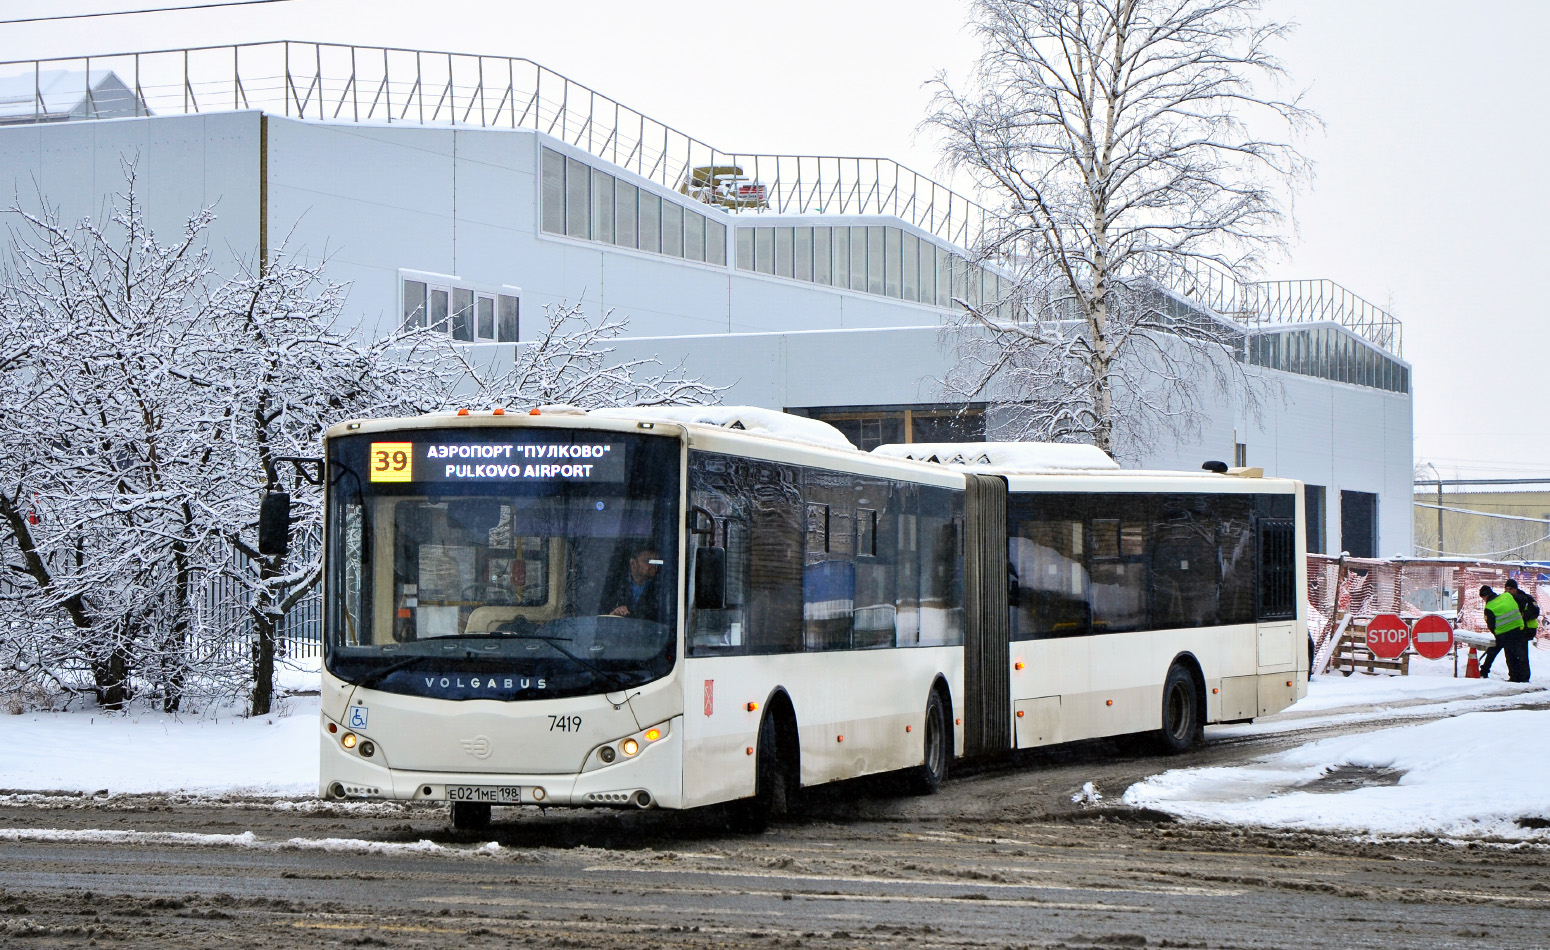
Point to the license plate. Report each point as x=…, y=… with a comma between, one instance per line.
x=492, y=794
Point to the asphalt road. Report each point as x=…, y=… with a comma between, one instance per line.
x=1000, y=858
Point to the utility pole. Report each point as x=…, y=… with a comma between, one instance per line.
x=1440, y=547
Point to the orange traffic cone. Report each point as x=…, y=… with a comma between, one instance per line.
x=1472, y=668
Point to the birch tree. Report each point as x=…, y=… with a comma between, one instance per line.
x=1128, y=147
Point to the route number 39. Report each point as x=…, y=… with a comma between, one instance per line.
x=392, y=461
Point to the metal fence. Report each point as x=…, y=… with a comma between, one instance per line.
x=226, y=605
x=332, y=82
x=341, y=83
x=1273, y=302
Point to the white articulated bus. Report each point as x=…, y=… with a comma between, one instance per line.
x=683, y=607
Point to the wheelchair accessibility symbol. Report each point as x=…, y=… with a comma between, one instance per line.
x=358, y=717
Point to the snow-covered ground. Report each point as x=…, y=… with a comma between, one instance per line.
x=1482, y=772
x=1476, y=773
x=143, y=751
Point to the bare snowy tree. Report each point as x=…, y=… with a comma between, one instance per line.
x=1117, y=140
x=572, y=362
x=93, y=433
x=150, y=402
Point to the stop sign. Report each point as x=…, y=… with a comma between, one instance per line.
x=1432, y=637
x=1387, y=636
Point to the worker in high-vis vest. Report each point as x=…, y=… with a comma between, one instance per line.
x=1505, y=621
x=1529, y=608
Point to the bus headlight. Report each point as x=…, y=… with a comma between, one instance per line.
x=630, y=746
x=348, y=740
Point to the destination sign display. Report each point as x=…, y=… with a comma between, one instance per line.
x=438, y=461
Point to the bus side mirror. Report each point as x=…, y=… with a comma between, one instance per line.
x=274, y=524
x=710, y=578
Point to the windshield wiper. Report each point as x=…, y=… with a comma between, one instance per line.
x=377, y=676
x=618, y=685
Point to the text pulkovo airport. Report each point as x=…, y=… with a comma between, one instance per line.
x=476, y=461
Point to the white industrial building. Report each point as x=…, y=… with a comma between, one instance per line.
x=473, y=192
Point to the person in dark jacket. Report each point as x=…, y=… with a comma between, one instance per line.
x=1527, y=605
x=1504, y=619
x=634, y=592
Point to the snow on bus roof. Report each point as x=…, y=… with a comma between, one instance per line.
x=752, y=419
x=1006, y=456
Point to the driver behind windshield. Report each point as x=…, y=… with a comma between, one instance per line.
x=633, y=592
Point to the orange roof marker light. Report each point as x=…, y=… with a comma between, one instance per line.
x=462, y=412
x=533, y=412
x=497, y=411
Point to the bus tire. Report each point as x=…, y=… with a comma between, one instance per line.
x=937, y=745
x=470, y=816
x=774, y=785
x=1182, y=716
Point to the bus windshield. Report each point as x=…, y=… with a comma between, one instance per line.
x=502, y=563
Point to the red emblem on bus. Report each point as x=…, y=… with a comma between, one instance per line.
x=710, y=697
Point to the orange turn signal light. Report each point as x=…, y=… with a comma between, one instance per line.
x=1214, y=690
x=653, y=735
x=909, y=728
x=839, y=738
x=1019, y=714
x=1018, y=665
x=752, y=706
x=1108, y=702
x=749, y=750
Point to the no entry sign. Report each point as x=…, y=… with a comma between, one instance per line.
x=1387, y=636
x=1432, y=637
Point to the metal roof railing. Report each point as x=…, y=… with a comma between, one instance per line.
x=333, y=82
x=340, y=83
x=1266, y=303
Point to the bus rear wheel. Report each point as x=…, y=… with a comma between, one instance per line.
x=470, y=816
x=937, y=742
x=1182, y=718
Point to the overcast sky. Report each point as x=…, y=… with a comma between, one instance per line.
x=1425, y=200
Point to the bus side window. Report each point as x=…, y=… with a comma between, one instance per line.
x=829, y=563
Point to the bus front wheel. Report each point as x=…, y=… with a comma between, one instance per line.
x=470, y=816
x=1182, y=717
x=774, y=783
x=937, y=743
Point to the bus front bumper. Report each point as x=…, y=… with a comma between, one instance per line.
x=651, y=779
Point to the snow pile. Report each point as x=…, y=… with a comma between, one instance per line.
x=1429, y=681
x=142, y=752
x=1006, y=456
x=1481, y=774
x=244, y=840
x=1089, y=795
x=769, y=422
